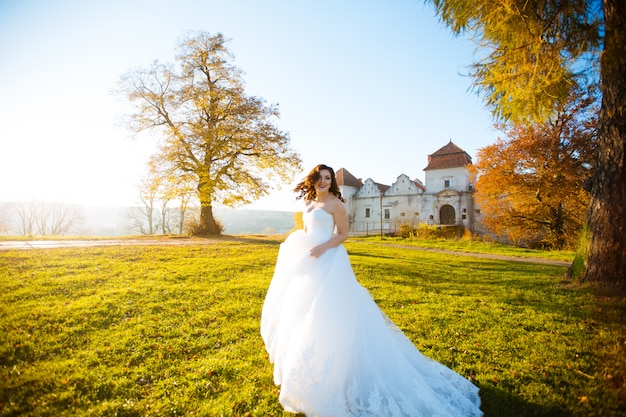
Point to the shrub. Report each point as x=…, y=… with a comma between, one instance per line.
x=194, y=228
x=579, y=264
x=405, y=231
x=425, y=231
x=297, y=220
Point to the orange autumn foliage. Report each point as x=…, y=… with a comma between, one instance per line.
x=530, y=186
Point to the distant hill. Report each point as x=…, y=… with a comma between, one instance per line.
x=110, y=221
x=105, y=221
x=113, y=221
x=253, y=222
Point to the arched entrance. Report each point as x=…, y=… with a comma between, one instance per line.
x=447, y=215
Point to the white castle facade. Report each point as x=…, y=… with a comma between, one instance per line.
x=445, y=198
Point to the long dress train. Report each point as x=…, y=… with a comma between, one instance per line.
x=335, y=353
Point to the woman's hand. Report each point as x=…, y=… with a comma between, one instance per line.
x=317, y=251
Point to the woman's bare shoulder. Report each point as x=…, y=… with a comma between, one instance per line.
x=336, y=204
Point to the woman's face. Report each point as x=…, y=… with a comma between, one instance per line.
x=325, y=181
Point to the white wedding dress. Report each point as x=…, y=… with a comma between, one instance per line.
x=335, y=353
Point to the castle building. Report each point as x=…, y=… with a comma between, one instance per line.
x=445, y=198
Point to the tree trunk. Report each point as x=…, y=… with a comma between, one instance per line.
x=150, y=219
x=607, y=210
x=558, y=226
x=208, y=225
x=181, y=222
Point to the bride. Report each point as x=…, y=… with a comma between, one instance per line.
x=335, y=353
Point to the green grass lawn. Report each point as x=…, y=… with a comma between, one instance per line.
x=174, y=330
x=475, y=246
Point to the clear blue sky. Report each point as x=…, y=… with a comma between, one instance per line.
x=371, y=86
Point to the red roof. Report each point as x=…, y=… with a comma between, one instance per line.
x=450, y=156
x=345, y=178
x=419, y=185
x=382, y=187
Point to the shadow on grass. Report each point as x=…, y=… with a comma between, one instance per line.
x=519, y=285
x=498, y=403
x=610, y=306
x=477, y=272
x=256, y=239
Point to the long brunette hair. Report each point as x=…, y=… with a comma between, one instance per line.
x=306, y=187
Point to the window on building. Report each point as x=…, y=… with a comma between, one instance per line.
x=367, y=212
x=446, y=183
x=402, y=214
x=387, y=214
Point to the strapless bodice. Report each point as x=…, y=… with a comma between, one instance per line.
x=319, y=223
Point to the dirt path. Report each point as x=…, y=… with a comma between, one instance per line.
x=84, y=243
